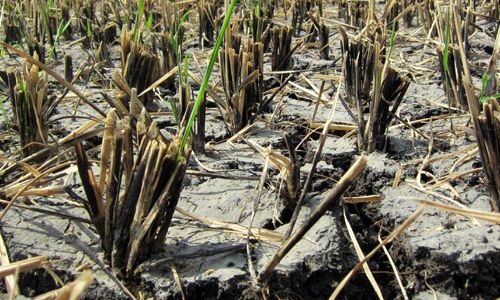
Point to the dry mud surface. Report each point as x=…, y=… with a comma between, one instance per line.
x=441, y=255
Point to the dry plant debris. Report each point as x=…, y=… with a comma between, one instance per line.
x=96, y=96
x=242, y=78
x=132, y=201
x=32, y=107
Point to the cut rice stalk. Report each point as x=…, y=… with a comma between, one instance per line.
x=133, y=201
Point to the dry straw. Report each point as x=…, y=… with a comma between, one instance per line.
x=318, y=31
x=132, y=201
x=487, y=122
x=333, y=196
x=372, y=84
x=140, y=66
x=281, y=58
x=30, y=103
x=242, y=77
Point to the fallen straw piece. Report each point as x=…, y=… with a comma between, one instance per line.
x=363, y=199
x=334, y=126
x=467, y=212
x=10, y=280
x=23, y=265
x=397, y=231
x=259, y=233
x=424, y=203
x=333, y=196
x=360, y=254
x=70, y=291
x=48, y=212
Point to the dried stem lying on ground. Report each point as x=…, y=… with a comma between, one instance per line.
x=489, y=217
x=334, y=195
x=70, y=291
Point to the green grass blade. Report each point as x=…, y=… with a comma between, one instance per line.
x=149, y=22
x=88, y=29
x=186, y=68
x=176, y=42
x=484, y=83
x=392, y=41
x=204, y=83
x=393, y=37
x=259, y=20
x=483, y=98
x=138, y=19
x=486, y=99
x=175, y=111
x=60, y=31
x=446, y=51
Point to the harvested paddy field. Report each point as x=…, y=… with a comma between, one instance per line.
x=267, y=149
